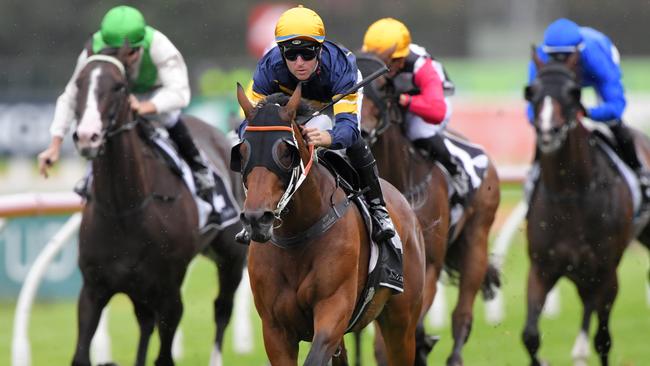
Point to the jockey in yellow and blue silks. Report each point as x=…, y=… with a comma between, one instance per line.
x=599, y=68
x=326, y=70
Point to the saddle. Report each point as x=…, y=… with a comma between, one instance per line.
x=224, y=205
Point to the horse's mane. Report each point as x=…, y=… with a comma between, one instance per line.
x=304, y=109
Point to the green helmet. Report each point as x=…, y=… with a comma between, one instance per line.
x=123, y=22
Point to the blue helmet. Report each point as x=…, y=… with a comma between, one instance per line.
x=562, y=36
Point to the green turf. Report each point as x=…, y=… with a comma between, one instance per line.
x=53, y=325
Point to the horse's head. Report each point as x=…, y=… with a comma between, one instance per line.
x=272, y=158
x=555, y=98
x=102, y=101
x=379, y=109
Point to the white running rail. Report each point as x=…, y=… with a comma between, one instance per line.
x=20, y=348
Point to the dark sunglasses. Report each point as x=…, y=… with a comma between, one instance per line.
x=306, y=53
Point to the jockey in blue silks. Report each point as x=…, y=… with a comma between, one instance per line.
x=598, y=68
x=327, y=70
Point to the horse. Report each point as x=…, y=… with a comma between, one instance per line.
x=580, y=217
x=464, y=252
x=309, y=254
x=139, y=228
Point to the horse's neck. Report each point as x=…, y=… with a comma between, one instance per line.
x=394, y=161
x=571, y=167
x=309, y=203
x=120, y=173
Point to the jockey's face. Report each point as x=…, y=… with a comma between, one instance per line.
x=395, y=65
x=134, y=55
x=301, y=62
x=302, y=69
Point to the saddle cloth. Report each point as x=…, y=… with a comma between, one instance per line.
x=223, y=201
x=471, y=158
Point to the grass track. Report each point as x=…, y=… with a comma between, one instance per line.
x=53, y=325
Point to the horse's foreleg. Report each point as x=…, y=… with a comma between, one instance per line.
x=329, y=327
x=169, y=315
x=398, y=330
x=230, y=275
x=538, y=288
x=473, y=267
x=340, y=357
x=90, y=305
x=281, y=347
x=603, y=340
x=147, y=320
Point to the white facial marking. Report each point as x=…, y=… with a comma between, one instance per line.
x=91, y=121
x=546, y=114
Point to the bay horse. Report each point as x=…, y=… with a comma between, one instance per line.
x=581, y=212
x=464, y=253
x=139, y=229
x=309, y=255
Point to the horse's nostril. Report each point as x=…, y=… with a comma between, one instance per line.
x=267, y=217
x=75, y=137
x=94, y=137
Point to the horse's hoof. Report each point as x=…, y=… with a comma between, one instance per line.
x=454, y=361
x=108, y=364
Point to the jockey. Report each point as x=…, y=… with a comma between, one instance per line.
x=598, y=68
x=326, y=70
x=158, y=77
x=421, y=86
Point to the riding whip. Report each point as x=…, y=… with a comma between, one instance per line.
x=361, y=84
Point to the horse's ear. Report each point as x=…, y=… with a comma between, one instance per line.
x=535, y=57
x=529, y=92
x=244, y=102
x=294, y=102
x=387, y=54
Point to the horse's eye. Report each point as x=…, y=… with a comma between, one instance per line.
x=118, y=87
x=285, y=155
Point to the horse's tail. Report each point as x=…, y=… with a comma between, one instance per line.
x=491, y=282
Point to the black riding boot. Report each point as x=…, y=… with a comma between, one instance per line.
x=384, y=231
x=186, y=147
x=627, y=151
x=435, y=147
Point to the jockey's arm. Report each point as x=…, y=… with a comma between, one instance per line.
x=67, y=101
x=174, y=93
x=612, y=95
x=345, y=131
x=63, y=118
x=430, y=104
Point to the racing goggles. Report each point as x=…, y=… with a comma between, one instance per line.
x=306, y=53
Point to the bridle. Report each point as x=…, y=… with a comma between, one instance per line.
x=112, y=129
x=566, y=91
x=296, y=173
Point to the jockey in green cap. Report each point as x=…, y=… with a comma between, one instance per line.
x=157, y=77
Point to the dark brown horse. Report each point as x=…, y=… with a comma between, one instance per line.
x=463, y=254
x=306, y=282
x=581, y=213
x=140, y=227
